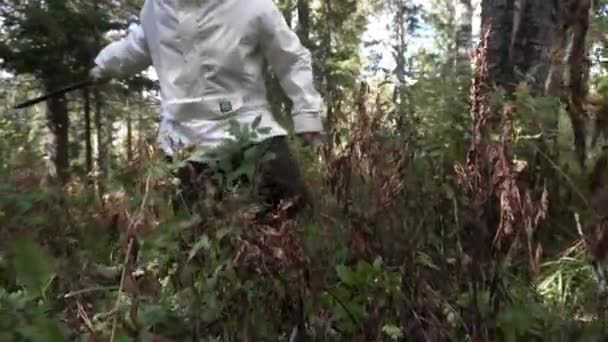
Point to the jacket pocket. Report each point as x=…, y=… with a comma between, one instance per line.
x=216, y=107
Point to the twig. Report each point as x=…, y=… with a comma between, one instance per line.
x=573, y=248
x=132, y=234
x=420, y=321
x=596, y=264
x=89, y=290
x=571, y=183
x=85, y=318
x=121, y=288
x=351, y=315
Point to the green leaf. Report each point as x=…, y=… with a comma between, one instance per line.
x=364, y=275
x=264, y=130
x=202, y=244
x=122, y=338
x=221, y=233
x=449, y=191
x=146, y=336
x=378, y=263
x=253, y=154
x=484, y=302
x=256, y=122
x=43, y=331
x=211, y=307
x=32, y=267
x=7, y=336
x=345, y=275
x=394, y=332
x=425, y=260
x=150, y=315
x=464, y=300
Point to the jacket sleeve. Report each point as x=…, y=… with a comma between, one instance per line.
x=126, y=56
x=292, y=64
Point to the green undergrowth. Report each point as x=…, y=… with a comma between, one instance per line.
x=384, y=254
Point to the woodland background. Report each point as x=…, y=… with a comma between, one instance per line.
x=462, y=195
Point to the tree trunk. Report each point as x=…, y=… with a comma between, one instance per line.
x=287, y=10
x=280, y=103
x=303, y=29
x=101, y=152
x=140, y=126
x=497, y=16
x=129, y=134
x=58, y=140
x=99, y=132
x=87, y=131
x=523, y=34
x=535, y=26
x=464, y=36
x=543, y=43
x=578, y=73
x=329, y=87
x=108, y=147
x=304, y=33
x=400, y=49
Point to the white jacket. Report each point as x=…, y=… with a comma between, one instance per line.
x=208, y=55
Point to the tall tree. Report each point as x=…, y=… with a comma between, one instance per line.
x=464, y=35
x=47, y=39
x=568, y=74
x=498, y=16
x=542, y=43
x=304, y=22
x=279, y=101
x=405, y=23
x=332, y=32
x=87, y=128
x=339, y=27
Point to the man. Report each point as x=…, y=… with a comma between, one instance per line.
x=208, y=55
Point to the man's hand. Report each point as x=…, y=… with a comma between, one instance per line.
x=95, y=75
x=312, y=139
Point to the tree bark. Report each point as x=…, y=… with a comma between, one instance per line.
x=129, y=134
x=497, y=16
x=287, y=9
x=542, y=42
x=108, y=147
x=329, y=86
x=101, y=153
x=399, y=52
x=141, y=133
x=578, y=73
x=464, y=36
x=280, y=104
x=535, y=27
x=523, y=35
x=303, y=29
x=87, y=131
x=58, y=140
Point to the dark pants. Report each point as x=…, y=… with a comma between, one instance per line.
x=277, y=179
